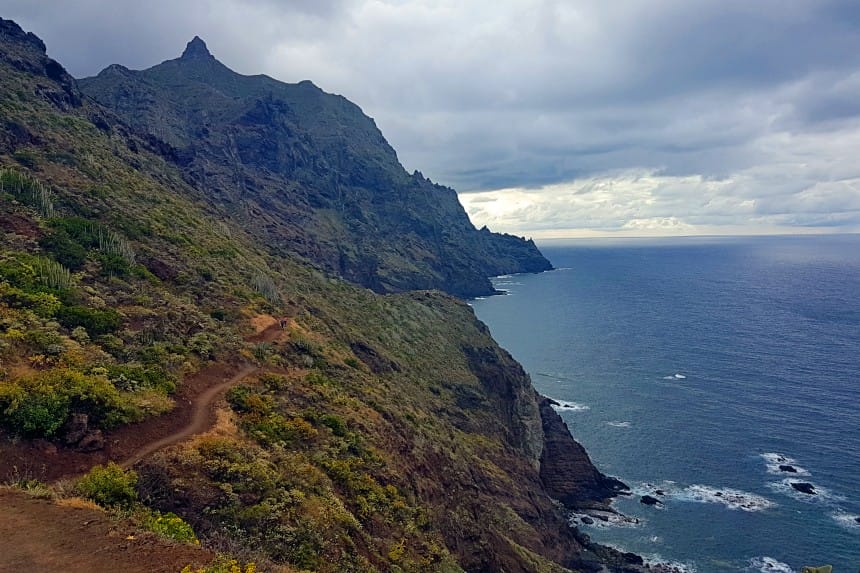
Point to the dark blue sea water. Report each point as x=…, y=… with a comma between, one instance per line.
x=696, y=367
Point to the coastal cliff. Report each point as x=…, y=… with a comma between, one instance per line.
x=309, y=174
x=369, y=432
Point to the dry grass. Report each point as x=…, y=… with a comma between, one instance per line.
x=78, y=503
x=263, y=321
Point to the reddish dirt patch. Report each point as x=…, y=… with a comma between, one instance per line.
x=38, y=535
x=263, y=321
x=18, y=225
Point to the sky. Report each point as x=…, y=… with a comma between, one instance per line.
x=551, y=118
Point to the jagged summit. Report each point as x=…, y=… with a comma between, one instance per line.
x=196, y=48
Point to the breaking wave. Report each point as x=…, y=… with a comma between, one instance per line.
x=779, y=464
x=697, y=493
x=562, y=406
x=847, y=520
x=769, y=565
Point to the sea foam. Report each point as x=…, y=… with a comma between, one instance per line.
x=847, y=520
x=821, y=495
x=697, y=493
x=774, y=460
x=562, y=406
x=769, y=565
x=618, y=424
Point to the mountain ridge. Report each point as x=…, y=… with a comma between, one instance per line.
x=310, y=174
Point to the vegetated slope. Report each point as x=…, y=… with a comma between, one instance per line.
x=306, y=172
x=389, y=433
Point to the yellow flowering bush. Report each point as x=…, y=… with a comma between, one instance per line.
x=223, y=564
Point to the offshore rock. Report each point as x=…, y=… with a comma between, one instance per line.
x=804, y=487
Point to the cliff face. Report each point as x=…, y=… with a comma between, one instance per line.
x=566, y=470
x=309, y=174
x=382, y=433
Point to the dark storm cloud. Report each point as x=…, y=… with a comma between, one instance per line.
x=678, y=114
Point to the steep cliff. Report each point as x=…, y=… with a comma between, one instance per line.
x=308, y=173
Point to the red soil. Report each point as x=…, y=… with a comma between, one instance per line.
x=38, y=535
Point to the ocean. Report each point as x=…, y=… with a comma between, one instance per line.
x=711, y=374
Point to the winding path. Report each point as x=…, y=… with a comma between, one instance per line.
x=199, y=422
x=127, y=445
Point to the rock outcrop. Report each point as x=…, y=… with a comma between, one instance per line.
x=566, y=471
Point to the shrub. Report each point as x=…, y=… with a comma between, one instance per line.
x=109, y=485
x=223, y=564
x=38, y=414
x=96, y=321
x=274, y=382
x=39, y=405
x=43, y=304
x=172, y=526
x=131, y=378
x=336, y=423
x=64, y=249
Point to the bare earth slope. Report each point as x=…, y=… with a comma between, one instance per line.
x=38, y=535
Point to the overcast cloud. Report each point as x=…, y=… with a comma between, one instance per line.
x=551, y=118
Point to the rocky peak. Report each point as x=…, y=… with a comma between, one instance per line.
x=196, y=48
x=12, y=32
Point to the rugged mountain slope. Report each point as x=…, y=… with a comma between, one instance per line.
x=385, y=433
x=308, y=173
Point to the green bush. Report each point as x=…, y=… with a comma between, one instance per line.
x=336, y=423
x=77, y=229
x=96, y=321
x=38, y=415
x=65, y=250
x=109, y=485
x=131, y=378
x=39, y=405
x=43, y=304
x=172, y=526
x=113, y=265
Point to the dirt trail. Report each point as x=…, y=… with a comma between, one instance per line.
x=193, y=414
x=200, y=418
x=38, y=535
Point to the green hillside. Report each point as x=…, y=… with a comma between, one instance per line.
x=378, y=432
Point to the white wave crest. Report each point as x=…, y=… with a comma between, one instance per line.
x=677, y=376
x=697, y=493
x=618, y=424
x=561, y=406
x=847, y=520
x=769, y=565
x=821, y=495
x=774, y=460
x=657, y=564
